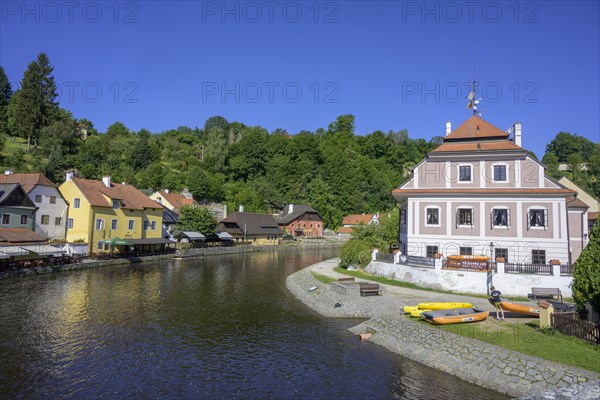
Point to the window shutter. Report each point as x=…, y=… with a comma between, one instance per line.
x=528, y=219
x=457, y=217
x=508, y=218
x=472, y=217
x=492, y=219
x=545, y=218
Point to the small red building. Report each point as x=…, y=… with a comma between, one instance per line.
x=300, y=220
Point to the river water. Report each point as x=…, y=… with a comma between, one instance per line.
x=219, y=327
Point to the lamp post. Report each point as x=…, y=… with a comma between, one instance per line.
x=490, y=271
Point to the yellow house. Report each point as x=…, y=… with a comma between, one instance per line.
x=101, y=210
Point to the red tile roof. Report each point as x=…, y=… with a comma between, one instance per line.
x=132, y=198
x=475, y=128
x=495, y=191
x=475, y=146
x=357, y=219
x=575, y=202
x=177, y=200
x=345, y=230
x=28, y=181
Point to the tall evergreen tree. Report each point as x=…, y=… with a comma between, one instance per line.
x=28, y=109
x=49, y=90
x=5, y=95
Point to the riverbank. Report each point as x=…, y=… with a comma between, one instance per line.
x=472, y=360
x=292, y=248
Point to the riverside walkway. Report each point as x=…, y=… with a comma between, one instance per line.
x=472, y=360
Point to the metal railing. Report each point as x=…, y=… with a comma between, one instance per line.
x=566, y=270
x=528, y=268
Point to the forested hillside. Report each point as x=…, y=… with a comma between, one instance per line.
x=332, y=169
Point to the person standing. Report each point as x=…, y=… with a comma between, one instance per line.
x=497, y=299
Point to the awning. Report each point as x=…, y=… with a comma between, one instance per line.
x=224, y=236
x=115, y=241
x=4, y=255
x=150, y=241
x=14, y=251
x=192, y=235
x=55, y=251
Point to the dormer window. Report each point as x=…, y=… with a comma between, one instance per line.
x=116, y=204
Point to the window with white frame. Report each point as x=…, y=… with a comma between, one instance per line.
x=500, y=217
x=116, y=204
x=145, y=225
x=466, y=251
x=131, y=224
x=464, y=173
x=70, y=223
x=153, y=225
x=5, y=219
x=99, y=224
x=538, y=257
x=24, y=219
x=76, y=203
x=57, y=220
x=38, y=198
x=537, y=218
x=45, y=219
x=431, y=251
x=402, y=216
x=52, y=199
x=114, y=224
x=464, y=216
x=433, y=216
x=502, y=253
x=499, y=173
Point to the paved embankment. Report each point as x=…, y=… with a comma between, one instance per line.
x=472, y=360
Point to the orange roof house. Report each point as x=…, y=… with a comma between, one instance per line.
x=173, y=201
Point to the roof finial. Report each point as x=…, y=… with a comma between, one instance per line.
x=473, y=101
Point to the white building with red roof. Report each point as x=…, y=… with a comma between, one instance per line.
x=478, y=188
x=353, y=220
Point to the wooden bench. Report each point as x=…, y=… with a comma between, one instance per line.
x=545, y=293
x=370, y=289
x=346, y=280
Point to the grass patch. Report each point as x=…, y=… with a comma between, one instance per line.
x=322, y=278
x=530, y=339
x=409, y=285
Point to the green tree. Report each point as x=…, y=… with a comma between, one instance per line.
x=196, y=219
x=5, y=95
x=565, y=144
x=586, y=272
x=48, y=89
x=355, y=253
x=141, y=157
x=56, y=165
x=117, y=129
x=62, y=132
x=551, y=162
x=28, y=117
x=16, y=161
x=575, y=162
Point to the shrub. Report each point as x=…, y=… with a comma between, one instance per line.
x=586, y=272
x=356, y=253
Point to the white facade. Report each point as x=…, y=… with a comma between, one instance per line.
x=477, y=189
x=51, y=216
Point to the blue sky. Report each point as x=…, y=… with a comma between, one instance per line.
x=298, y=65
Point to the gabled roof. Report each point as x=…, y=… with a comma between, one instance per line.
x=177, y=200
x=475, y=128
x=357, y=219
x=345, y=229
x=574, y=202
x=251, y=223
x=169, y=216
x=28, y=181
x=285, y=217
x=131, y=197
x=6, y=199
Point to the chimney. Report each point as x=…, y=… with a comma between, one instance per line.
x=448, y=127
x=518, y=133
x=291, y=208
x=167, y=191
x=8, y=172
x=68, y=176
x=241, y=208
x=106, y=181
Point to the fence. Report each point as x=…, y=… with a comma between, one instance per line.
x=526, y=268
x=385, y=257
x=570, y=324
x=566, y=270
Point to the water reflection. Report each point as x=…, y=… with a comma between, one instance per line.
x=219, y=327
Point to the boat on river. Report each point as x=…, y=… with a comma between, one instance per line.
x=455, y=316
x=518, y=308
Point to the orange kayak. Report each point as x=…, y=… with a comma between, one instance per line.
x=519, y=308
x=455, y=316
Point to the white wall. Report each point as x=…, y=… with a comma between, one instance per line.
x=53, y=231
x=469, y=281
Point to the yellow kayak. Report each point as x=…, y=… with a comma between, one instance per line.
x=417, y=312
x=443, y=306
x=457, y=316
x=410, y=309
